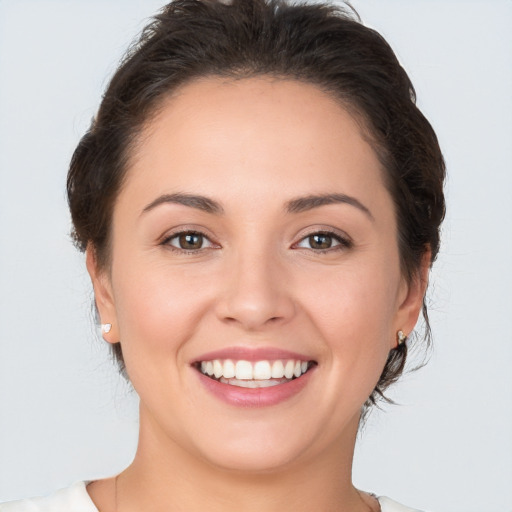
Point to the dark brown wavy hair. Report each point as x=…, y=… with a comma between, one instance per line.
x=320, y=44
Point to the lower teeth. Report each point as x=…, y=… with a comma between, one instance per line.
x=253, y=383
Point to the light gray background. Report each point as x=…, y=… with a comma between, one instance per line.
x=64, y=413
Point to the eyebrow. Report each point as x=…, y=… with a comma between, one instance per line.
x=298, y=205
x=302, y=204
x=193, y=201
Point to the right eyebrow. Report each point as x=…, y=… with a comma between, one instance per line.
x=199, y=202
x=302, y=204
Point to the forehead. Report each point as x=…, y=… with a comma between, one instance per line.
x=244, y=136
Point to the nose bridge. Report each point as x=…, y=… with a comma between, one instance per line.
x=256, y=290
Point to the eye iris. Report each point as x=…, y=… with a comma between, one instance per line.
x=320, y=241
x=191, y=241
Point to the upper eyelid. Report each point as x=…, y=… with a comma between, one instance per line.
x=338, y=234
x=344, y=241
x=166, y=242
x=172, y=233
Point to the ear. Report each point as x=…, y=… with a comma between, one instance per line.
x=103, y=295
x=411, y=299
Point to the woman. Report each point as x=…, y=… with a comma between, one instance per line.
x=259, y=200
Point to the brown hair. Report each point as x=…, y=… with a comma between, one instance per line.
x=321, y=44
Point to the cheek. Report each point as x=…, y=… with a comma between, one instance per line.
x=354, y=311
x=353, y=303
x=159, y=309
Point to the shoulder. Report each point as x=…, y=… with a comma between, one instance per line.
x=71, y=499
x=386, y=505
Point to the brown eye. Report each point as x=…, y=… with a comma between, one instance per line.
x=189, y=241
x=320, y=241
x=324, y=241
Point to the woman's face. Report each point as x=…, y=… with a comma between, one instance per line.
x=254, y=229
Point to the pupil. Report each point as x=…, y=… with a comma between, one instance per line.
x=320, y=241
x=191, y=241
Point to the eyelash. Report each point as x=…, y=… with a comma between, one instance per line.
x=167, y=241
x=342, y=242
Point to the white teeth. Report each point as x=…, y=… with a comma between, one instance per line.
x=277, y=370
x=253, y=383
x=217, y=368
x=288, y=369
x=229, y=369
x=259, y=371
x=243, y=370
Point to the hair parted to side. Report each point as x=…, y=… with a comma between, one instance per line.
x=321, y=44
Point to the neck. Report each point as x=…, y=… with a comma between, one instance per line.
x=164, y=476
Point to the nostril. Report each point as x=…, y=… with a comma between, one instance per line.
x=254, y=299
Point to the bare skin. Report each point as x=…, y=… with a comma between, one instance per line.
x=255, y=278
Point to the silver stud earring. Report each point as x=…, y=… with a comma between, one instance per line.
x=105, y=328
x=402, y=338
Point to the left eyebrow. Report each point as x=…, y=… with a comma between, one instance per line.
x=202, y=203
x=302, y=204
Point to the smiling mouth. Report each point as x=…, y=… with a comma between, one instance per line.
x=258, y=374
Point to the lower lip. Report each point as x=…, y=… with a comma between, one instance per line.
x=255, y=397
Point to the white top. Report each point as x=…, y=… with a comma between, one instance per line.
x=76, y=499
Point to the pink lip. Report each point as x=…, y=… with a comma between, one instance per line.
x=251, y=354
x=255, y=397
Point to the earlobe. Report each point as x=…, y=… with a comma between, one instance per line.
x=411, y=300
x=103, y=297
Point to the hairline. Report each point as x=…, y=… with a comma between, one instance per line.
x=143, y=130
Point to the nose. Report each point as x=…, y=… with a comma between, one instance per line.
x=256, y=292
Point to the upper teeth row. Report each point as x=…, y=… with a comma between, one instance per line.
x=259, y=370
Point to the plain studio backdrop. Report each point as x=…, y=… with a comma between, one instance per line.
x=65, y=415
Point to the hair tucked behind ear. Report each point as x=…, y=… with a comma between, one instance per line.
x=325, y=45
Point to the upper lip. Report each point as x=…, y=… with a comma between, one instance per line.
x=251, y=354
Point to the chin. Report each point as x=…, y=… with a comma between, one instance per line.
x=258, y=449
x=254, y=460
